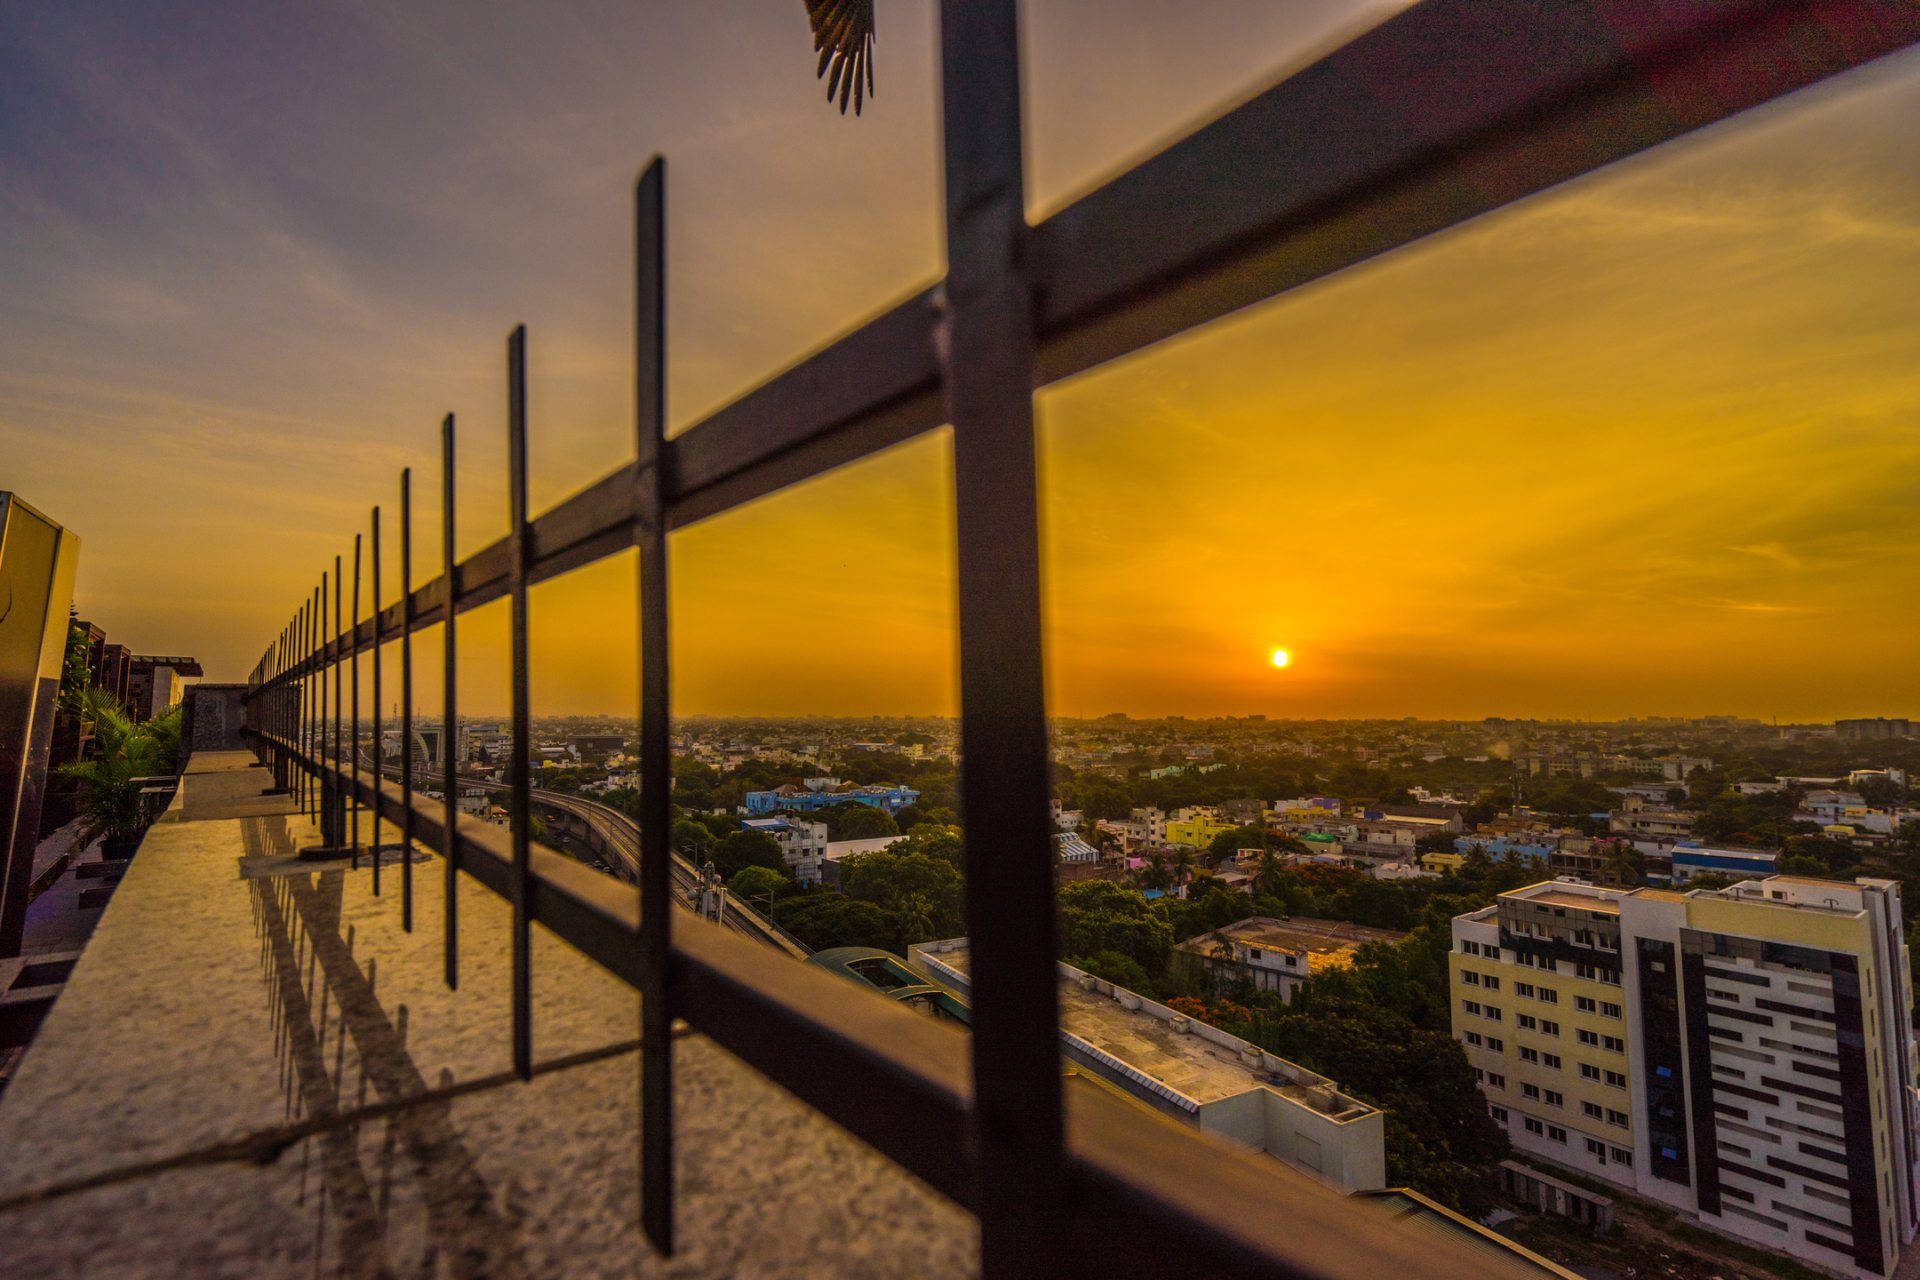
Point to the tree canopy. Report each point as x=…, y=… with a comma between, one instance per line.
x=742, y=849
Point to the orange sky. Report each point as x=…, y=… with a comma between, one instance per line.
x=1647, y=444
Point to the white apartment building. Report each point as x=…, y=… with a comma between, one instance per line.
x=803, y=844
x=1744, y=1056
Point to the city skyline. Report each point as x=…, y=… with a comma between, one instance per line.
x=1639, y=446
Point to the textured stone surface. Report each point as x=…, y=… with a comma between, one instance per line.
x=535, y=1179
x=260, y=1074
x=187, y=985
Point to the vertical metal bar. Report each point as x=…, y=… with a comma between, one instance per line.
x=313, y=695
x=300, y=705
x=406, y=698
x=656, y=761
x=988, y=375
x=323, y=801
x=353, y=742
x=450, y=733
x=339, y=814
x=319, y=702
x=277, y=710
x=373, y=603
x=519, y=784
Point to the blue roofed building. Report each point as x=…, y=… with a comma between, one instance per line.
x=809, y=799
x=1742, y=864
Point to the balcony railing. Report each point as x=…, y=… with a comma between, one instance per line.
x=1446, y=111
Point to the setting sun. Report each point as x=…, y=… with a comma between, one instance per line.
x=1281, y=657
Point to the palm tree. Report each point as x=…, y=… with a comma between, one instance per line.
x=1182, y=864
x=843, y=37
x=1266, y=875
x=126, y=754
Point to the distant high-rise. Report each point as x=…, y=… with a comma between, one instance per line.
x=1873, y=728
x=1744, y=1055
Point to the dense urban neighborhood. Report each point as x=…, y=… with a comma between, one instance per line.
x=1353, y=900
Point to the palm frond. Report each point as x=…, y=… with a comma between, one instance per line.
x=843, y=36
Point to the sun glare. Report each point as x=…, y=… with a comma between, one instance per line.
x=1281, y=657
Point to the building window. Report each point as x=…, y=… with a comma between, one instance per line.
x=1523, y=988
x=1613, y=1044
x=1467, y=976
x=1609, y=1010
x=1496, y=1044
x=1595, y=1147
x=1533, y=1126
x=1617, y=1079
x=1592, y=1110
x=1498, y=1113
x=1549, y=996
x=1526, y=1022
x=1491, y=953
x=1493, y=983
x=1586, y=1037
x=1548, y=1027
x=1473, y=1038
x=1531, y=1092
x=1556, y=1134
x=1589, y=1072
x=1493, y=1013
x=1471, y=1006
x=1551, y=1059
x=1554, y=1098
x=1496, y=1080
x=1622, y=1156
x=1529, y=1055
x=1470, y=948
x=1585, y=1004
x=1617, y=1118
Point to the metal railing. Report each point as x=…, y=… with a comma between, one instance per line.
x=1446, y=111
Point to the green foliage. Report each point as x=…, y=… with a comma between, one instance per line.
x=1116, y=968
x=123, y=753
x=754, y=884
x=1440, y=1139
x=924, y=895
x=76, y=678
x=1098, y=915
x=1763, y=820
x=739, y=850
x=1880, y=792
x=1228, y=843
x=691, y=840
x=853, y=821
x=935, y=841
x=567, y=781
x=823, y=919
x=914, y=814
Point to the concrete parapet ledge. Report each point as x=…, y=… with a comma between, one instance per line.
x=254, y=1072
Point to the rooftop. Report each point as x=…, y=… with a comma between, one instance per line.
x=1577, y=901
x=1148, y=1039
x=1328, y=943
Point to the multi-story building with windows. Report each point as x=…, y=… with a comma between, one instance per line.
x=1744, y=1055
x=803, y=844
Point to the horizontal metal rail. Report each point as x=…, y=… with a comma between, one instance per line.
x=1176, y=1202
